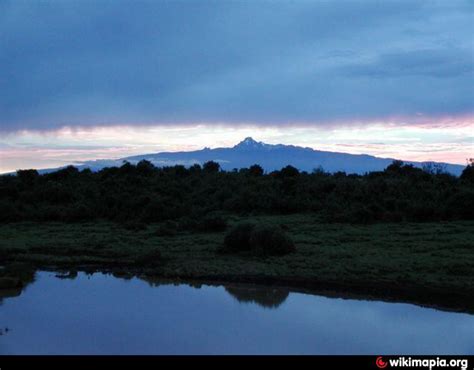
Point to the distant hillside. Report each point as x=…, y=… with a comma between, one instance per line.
x=270, y=157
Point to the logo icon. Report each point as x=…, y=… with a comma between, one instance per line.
x=381, y=364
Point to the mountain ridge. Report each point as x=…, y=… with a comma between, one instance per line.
x=270, y=157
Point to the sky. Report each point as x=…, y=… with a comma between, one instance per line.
x=88, y=79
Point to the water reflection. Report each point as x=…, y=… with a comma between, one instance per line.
x=268, y=297
x=263, y=296
x=14, y=278
x=103, y=314
x=67, y=275
x=9, y=293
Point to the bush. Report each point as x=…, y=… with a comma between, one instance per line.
x=270, y=241
x=461, y=205
x=259, y=240
x=238, y=239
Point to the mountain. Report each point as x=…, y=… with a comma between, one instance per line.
x=270, y=157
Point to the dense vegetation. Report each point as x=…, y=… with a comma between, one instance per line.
x=260, y=240
x=196, y=198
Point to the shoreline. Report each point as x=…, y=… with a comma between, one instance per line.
x=459, y=302
x=428, y=264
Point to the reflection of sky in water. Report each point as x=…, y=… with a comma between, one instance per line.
x=108, y=315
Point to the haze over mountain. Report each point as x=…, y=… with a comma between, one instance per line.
x=269, y=156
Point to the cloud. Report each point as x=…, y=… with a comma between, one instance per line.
x=267, y=62
x=440, y=63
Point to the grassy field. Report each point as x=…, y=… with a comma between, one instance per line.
x=426, y=263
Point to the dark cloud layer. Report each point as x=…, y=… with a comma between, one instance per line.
x=107, y=62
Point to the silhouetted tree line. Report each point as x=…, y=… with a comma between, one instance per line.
x=196, y=196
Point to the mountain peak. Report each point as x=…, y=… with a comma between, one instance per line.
x=249, y=142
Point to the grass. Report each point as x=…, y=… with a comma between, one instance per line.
x=428, y=263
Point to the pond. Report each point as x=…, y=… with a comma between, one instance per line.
x=103, y=314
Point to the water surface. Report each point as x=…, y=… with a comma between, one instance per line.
x=102, y=314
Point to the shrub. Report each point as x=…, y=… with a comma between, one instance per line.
x=238, y=239
x=260, y=240
x=270, y=241
x=461, y=205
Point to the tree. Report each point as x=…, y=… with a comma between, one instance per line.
x=145, y=167
x=64, y=173
x=195, y=168
x=468, y=172
x=289, y=171
x=434, y=168
x=211, y=167
x=255, y=170
x=395, y=167
x=27, y=176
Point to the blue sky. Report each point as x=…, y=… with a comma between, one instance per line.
x=214, y=66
